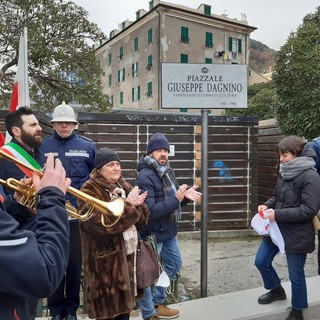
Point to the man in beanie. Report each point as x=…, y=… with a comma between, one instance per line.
x=77, y=155
x=164, y=200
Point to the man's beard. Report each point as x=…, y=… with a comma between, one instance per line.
x=30, y=140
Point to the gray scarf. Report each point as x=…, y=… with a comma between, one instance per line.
x=291, y=169
x=166, y=174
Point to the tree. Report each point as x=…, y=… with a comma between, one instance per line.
x=297, y=79
x=261, y=102
x=62, y=63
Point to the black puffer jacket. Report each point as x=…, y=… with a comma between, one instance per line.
x=295, y=203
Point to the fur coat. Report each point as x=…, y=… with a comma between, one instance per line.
x=108, y=271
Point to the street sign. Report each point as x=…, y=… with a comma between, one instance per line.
x=204, y=86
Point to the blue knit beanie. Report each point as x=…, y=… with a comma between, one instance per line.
x=158, y=141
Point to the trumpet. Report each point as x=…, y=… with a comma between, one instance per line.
x=112, y=209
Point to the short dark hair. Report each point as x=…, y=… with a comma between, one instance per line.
x=292, y=144
x=14, y=118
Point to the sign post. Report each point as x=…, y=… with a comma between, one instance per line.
x=204, y=86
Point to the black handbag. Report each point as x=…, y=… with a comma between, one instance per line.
x=148, y=264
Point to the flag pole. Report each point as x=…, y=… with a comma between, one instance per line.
x=25, y=65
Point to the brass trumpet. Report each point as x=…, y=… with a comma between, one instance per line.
x=113, y=208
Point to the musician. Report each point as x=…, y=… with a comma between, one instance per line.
x=109, y=251
x=33, y=263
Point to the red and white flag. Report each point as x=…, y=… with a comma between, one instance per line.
x=20, y=92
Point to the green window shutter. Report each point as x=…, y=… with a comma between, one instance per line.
x=119, y=76
x=184, y=58
x=136, y=44
x=123, y=74
x=121, y=52
x=184, y=34
x=150, y=36
x=132, y=94
x=137, y=15
x=208, y=60
x=209, y=41
x=149, y=64
x=230, y=43
x=138, y=92
x=239, y=45
x=183, y=110
x=207, y=10
x=132, y=69
x=110, y=59
x=121, y=97
x=110, y=80
x=149, y=92
x=151, y=5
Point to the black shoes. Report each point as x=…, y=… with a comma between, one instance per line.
x=295, y=315
x=57, y=317
x=60, y=317
x=275, y=294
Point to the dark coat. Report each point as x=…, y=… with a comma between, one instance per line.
x=162, y=221
x=295, y=203
x=109, y=272
x=32, y=264
x=77, y=155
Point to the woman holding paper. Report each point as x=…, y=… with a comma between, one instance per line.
x=294, y=203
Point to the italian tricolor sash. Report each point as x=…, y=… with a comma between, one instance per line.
x=13, y=150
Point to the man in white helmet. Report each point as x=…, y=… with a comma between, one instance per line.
x=77, y=155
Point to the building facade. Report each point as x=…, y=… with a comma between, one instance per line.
x=131, y=57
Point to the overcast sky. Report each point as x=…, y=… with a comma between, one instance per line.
x=275, y=19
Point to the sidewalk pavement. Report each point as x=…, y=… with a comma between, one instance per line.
x=234, y=283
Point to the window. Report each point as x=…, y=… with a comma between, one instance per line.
x=138, y=15
x=207, y=10
x=208, y=60
x=150, y=5
x=121, y=75
x=121, y=97
x=149, y=64
x=136, y=44
x=135, y=70
x=135, y=94
x=185, y=35
x=120, y=52
x=149, y=92
x=209, y=41
x=235, y=45
x=110, y=80
x=110, y=59
x=184, y=58
x=150, y=36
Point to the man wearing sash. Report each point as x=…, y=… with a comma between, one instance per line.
x=26, y=132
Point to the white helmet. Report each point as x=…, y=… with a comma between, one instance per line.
x=64, y=113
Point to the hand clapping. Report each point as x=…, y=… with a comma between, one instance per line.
x=135, y=198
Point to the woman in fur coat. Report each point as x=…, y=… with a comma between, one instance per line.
x=109, y=251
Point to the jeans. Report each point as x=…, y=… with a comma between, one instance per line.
x=171, y=261
x=295, y=261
